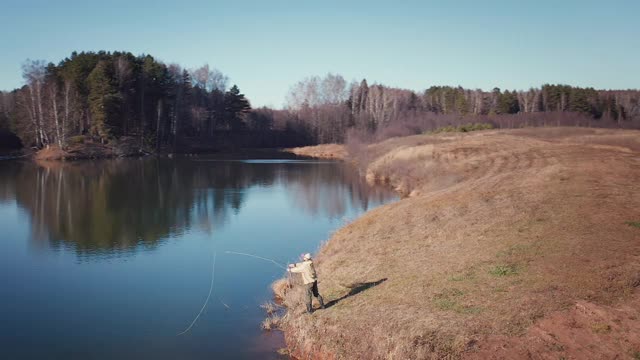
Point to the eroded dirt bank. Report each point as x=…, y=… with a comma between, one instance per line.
x=510, y=244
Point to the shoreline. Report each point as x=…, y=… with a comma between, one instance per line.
x=520, y=197
x=324, y=151
x=53, y=154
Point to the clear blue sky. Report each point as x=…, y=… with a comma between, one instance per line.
x=266, y=46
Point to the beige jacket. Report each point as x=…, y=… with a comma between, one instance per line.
x=307, y=270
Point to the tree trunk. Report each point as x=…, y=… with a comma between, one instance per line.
x=176, y=115
x=65, y=120
x=159, y=111
x=43, y=134
x=34, y=118
x=142, y=114
x=56, y=120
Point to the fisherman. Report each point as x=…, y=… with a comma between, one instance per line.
x=309, y=278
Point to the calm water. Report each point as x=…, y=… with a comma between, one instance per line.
x=112, y=259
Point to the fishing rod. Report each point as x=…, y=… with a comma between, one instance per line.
x=258, y=257
x=265, y=259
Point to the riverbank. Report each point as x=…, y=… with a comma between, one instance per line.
x=216, y=142
x=508, y=243
x=83, y=149
x=12, y=154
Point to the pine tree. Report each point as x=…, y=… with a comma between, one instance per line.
x=461, y=105
x=235, y=107
x=104, y=100
x=183, y=103
x=508, y=103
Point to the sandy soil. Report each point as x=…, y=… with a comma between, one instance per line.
x=509, y=244
x=585, y=331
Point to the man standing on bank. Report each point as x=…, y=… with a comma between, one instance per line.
x=309, y=278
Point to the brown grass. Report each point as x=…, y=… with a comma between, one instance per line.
x=77, y=150
x=280, y=288
x=52, y=152
x=501, y=233
x=271, y=322
x=269, y=307
x=326, y=151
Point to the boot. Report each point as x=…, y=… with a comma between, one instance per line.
x=321, y=301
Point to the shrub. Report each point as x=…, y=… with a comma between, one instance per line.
x=280, y=288
x=269, y=307
x=271, y=323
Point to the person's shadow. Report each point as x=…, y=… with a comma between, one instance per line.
x=355, y=289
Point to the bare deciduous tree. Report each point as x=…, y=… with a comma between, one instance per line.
x=34, y=72
x=209, y=79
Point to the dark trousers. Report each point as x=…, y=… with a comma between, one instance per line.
x=312, y=290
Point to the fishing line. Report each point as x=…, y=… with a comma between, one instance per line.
x=258, y=257
x=213, y=273
x=225, y=305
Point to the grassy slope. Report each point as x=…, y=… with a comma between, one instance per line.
x=503, y=231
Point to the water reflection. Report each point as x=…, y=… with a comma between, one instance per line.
x=115, y=206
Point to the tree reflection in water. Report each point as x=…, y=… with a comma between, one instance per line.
x=109, y=206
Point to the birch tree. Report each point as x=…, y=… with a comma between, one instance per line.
x=33, y=72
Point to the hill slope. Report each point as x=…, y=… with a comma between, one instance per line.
x=511, y=244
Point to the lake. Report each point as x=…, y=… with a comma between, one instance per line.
x=114, y=258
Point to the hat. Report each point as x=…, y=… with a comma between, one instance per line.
x=307, y=256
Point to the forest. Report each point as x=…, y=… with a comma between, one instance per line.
x=106, y=97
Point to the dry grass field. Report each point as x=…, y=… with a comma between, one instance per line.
x=509, y=244
x=327, y=151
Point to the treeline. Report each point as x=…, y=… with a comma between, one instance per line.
x=109, y=95
x=331, y=108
